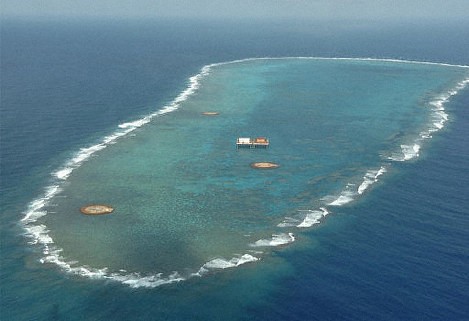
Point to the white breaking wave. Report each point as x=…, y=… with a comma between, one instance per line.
x=288, y=222
x=349, y=193
x=411, y=151
x=406, y=153
x=125, y=128
x=438, y=119
x=220, y=263
x=370, y=178
x=276, y=240
x=306, y=218
x=345, y=197
x=39, y=234
x=313, y=217
x=136, y=280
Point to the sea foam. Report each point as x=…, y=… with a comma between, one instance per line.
x=220, y=263
x=345, y=197
x=370, y=178
x=437, y=122
x=276, y=240
x=313, y=217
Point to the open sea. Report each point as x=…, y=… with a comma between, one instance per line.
x=366, y=217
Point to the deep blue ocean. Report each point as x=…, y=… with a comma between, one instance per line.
x=87, y=104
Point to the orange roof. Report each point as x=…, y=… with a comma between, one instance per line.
x=260, y=140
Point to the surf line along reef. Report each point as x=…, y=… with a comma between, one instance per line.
x=191, y=197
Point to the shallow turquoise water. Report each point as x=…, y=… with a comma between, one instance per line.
x=187, y=201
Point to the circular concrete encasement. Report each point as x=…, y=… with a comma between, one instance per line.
x=210, y=113
x=264, y=165
x=96, y=209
